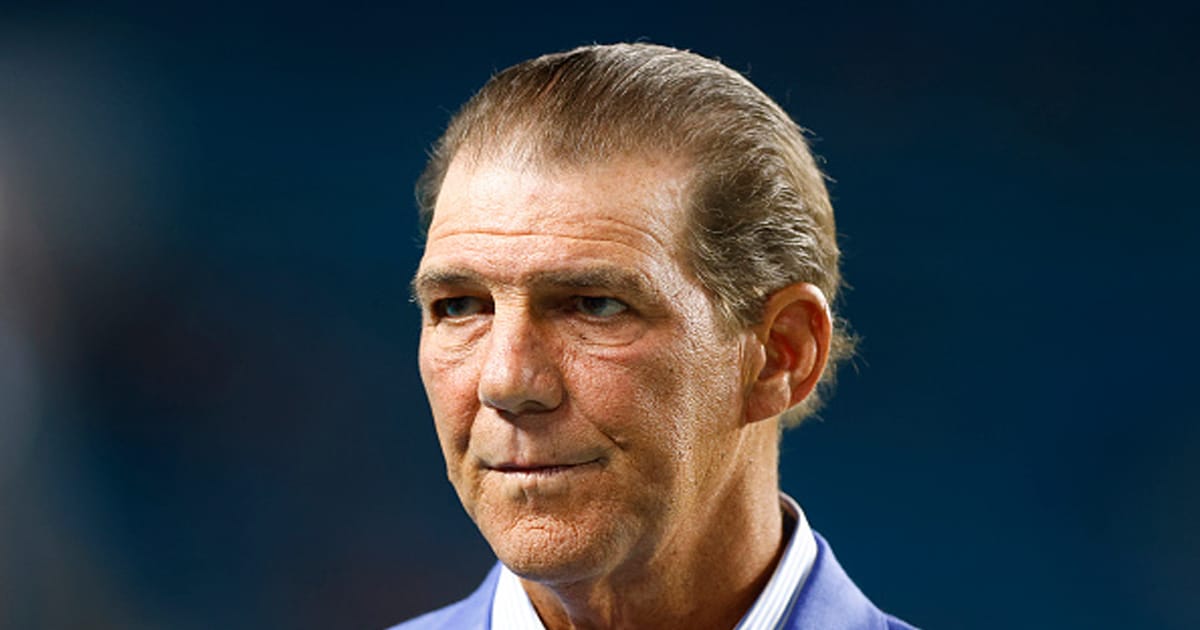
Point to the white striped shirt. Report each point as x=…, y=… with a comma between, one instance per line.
x=512, y=610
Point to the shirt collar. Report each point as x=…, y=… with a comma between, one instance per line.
x=512, y=610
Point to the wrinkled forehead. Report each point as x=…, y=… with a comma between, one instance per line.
x=511, y=223
x=507, y=188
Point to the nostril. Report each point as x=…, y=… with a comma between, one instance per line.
x=512, y=410
x=531, y=392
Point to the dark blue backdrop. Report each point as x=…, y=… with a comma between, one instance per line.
x=210, y=415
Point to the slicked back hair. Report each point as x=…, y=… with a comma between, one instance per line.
x=758, y=211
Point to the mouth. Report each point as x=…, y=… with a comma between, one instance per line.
x=530, y=483
x=543, y=470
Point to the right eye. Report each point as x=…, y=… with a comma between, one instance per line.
x=458, y=307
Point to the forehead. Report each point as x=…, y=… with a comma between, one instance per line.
x=511, y=196
x=628, y=211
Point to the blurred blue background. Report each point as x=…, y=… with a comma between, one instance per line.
x=210, y=415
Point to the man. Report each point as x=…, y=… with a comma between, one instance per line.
x=626, y=286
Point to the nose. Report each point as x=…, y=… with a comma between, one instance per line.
x=520, y=373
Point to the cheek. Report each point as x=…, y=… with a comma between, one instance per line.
x=687, y=392
x=638, y=396
x=452, y=396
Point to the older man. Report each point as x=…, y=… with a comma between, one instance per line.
x=626, y=292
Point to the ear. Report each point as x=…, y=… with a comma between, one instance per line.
x=792, y=346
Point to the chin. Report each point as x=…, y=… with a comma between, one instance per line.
x=550, y=549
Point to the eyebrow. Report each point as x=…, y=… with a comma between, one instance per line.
x=428, y=281
x=601, y=277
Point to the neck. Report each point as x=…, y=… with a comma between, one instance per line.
x=705, y=575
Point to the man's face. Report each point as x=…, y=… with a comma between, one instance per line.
x=586, y=402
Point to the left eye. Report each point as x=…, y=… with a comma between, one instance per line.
x=599, y=306
x=458, y=307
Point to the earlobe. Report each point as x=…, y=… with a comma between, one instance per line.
x=794, y=337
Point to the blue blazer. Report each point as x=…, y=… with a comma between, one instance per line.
x=827, y=600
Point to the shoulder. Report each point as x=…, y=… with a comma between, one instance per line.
x=829, y=600
x=471, y=613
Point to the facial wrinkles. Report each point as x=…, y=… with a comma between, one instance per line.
x=500, y=221
x=503, y=254
x=525, y=201
x=594, y=225
x=508, y=263
x=509, y=266
x=660, y=382
x=659, y=377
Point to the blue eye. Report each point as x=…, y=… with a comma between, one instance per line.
x=599, y=306
x=456, y=307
